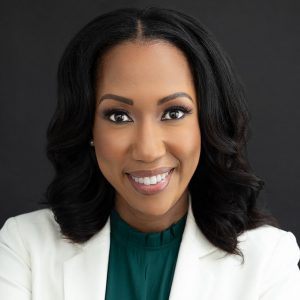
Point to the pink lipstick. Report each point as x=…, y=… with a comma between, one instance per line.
x=150, y=189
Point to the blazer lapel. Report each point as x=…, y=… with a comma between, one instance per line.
x=85, y=273
x=192, y=278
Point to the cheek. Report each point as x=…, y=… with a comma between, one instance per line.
x=188, y=143
x=107, y=147
x=110, y=146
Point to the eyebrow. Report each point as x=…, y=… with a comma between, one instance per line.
x=131, y=102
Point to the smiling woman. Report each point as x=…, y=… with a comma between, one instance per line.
x=144, y=137
x=153, y=196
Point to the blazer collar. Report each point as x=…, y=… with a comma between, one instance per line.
x=190, y=281
x=85, y=273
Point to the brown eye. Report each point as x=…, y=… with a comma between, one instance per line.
x=116, y=116
x=176, y=112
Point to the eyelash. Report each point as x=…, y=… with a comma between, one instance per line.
x=108, y=112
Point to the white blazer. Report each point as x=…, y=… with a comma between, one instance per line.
x=37, y=263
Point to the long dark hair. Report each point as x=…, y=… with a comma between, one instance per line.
x=224, y=188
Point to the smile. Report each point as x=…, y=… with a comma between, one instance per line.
x=151, y=180
x=150, y=185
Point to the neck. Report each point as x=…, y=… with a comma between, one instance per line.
x=152, y=223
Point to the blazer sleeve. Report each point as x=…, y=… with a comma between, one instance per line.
x=15, y=271
x=282, y=280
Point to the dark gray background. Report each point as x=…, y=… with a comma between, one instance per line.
x=261, y=37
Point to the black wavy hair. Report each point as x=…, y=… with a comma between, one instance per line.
x=224, y=188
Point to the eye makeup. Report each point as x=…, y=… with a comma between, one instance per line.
x=107, y=113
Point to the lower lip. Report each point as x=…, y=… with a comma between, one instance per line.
x=152, y=188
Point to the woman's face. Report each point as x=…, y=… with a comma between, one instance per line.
x=136, y=132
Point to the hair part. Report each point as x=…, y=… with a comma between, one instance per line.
x=224, y=188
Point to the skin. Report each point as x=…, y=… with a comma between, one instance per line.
x=146, y=72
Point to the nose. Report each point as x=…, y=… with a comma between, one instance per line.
x=148, y=143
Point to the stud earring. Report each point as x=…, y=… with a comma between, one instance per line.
x=92, y=143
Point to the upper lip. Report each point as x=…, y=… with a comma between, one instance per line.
x=149, y=173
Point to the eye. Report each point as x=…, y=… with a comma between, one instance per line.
x=177, y=112
x=117, y=116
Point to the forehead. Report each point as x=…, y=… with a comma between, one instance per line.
x=143, y=66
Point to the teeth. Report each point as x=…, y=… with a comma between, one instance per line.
x=153, y=180
x=150, y=180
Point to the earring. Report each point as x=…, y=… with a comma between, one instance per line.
x=92, y=143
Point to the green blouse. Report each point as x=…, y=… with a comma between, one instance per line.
x=141, y=265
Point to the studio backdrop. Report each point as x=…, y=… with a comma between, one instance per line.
x=260, y=37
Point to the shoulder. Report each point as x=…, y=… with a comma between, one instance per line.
x=272, y=251
x=272, y=254
x=37, y=224
x=266, y=239
x=36, y=231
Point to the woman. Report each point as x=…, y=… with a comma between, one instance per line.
x=153, y=196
